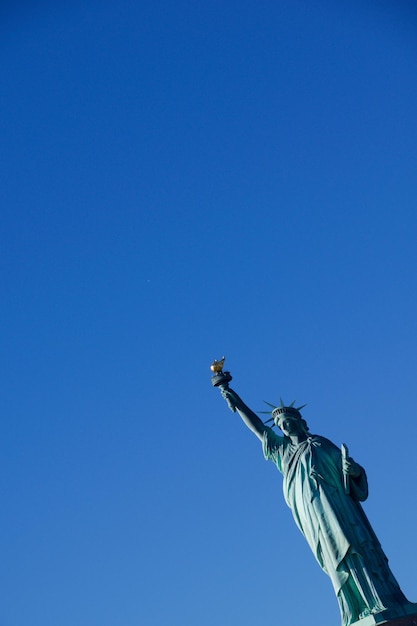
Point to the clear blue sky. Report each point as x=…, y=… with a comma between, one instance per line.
x=182, y=180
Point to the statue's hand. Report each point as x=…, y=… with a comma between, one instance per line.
x=351, y=468
x=231, y=398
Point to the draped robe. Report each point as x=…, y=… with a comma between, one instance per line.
x=334, y=524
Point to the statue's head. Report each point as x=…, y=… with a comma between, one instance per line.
x=281, y=413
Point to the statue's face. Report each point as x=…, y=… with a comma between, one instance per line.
x=290, y=426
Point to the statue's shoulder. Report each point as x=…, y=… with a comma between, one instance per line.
x=273, y=438
x=329, y=445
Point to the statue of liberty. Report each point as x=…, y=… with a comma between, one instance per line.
x=323, y=487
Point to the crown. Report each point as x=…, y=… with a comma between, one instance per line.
x=283, y=411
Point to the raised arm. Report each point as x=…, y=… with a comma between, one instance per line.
x=252, y=421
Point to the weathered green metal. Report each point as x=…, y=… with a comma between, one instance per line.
x=323, y=487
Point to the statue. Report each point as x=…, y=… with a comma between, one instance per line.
x=323, y=486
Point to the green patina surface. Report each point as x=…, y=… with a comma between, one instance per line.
x=324, y=487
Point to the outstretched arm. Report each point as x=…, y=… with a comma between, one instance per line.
x=252, y=421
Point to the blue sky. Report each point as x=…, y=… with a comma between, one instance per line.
x=181, y=181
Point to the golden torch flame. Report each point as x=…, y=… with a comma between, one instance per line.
x=217, y=366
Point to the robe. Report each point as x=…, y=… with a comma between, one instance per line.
x=334, y=524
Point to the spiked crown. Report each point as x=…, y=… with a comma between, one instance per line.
x=283, y=411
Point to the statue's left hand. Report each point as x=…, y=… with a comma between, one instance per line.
x=351, y=468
